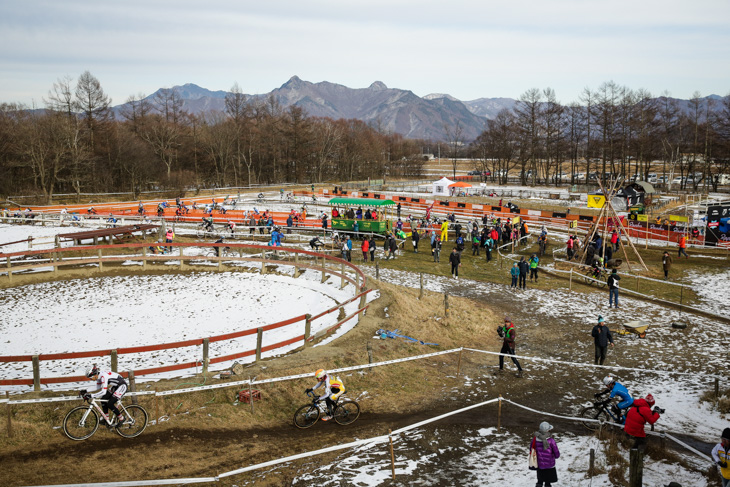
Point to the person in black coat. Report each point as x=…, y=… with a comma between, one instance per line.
x=455, y=260
x=371, y=244
x=601, y=339
x=523, y=266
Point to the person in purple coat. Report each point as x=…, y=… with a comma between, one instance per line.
x=547, y=452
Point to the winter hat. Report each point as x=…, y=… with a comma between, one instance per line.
x=650, y=400
x=506, y=319
x=545, y=427
x=600, y=319
x=726, y=433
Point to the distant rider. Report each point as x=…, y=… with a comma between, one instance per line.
x=333, y=389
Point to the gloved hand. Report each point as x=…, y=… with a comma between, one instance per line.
x=722, y=464
x=309, y=390
x=82, y=392
x=87, y=396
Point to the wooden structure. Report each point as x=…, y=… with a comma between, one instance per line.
x=379, y=225
x=105, y=233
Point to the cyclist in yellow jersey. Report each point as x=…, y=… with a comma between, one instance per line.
x=333, y=389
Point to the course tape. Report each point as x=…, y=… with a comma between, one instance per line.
x=134, y=483
x=68, y=398
x=579, y=364
x=302, y=376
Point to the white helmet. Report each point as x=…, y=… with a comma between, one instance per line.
x=608, y=380
x=92, y=371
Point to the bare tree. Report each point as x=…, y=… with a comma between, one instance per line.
x=93, y=104
x=527, y=111
x=455, y=139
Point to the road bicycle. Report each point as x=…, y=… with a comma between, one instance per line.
x=345, y=412
x=602, y=412
x=83, y=421
x=204, y=230
x=598, y=278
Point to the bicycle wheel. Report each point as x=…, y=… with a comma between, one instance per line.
x=78, y=425
x=593, y=412
x=135, y=422
x=306, y=416
x=602, y=280
x=200, y=232
x=589, y=279
x=347, y=412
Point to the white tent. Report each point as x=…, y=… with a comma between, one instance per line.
x=441, y=187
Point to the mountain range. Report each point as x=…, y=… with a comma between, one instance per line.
x=430, y=117
x=392, y=110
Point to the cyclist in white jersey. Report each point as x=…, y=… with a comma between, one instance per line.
x=110, y=388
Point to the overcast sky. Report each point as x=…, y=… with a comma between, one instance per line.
x=467, y=48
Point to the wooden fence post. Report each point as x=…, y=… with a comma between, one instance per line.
x=101, y=264
x=113, y=358
x=392, y=455
x=182, y=262
x=144, y=257
x=591, y=463
x=157, y=409
x=307, y=328
x=324, y=277
x=636, y=468
x=250, y=396
x=133, y=386
x=571, y=279
x=458, y=365
x=10, y=415
x=446, y=305
x=717, y=387
x=420, y=293
x=342, y=278
x=370, y=352
x=259, y=340
x=36, y=373
x=377, y=269
x=263, y=264
x=206, y=356
x=499, y=413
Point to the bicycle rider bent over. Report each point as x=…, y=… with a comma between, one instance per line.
x=617, y=390
x=333, y=389
x=111, y=387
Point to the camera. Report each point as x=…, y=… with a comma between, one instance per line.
x=500, y=332
x=658, y=410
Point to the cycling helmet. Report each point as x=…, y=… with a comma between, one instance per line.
x=649, y=400
x=93, y=370
x=320, y=374
x=608, y=381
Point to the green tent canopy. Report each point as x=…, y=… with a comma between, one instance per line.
x=359, y=202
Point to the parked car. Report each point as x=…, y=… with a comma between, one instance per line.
x=474, y=173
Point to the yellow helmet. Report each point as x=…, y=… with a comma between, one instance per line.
x=320, y=374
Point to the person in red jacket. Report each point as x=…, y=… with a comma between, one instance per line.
x=639, y=414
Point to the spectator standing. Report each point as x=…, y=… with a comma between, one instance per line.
x=601, y=339
x=444, y=231
x=488, y=247
x=475, y=242
x=570, y=244
x=324, y=223
x=348, y=243
x=399, y=211
x=290, y=223
x=534, y=259
x=666, y=264
x=436, y=248
x=393, y=246
x=639, y=414
x=612, y=282
x=356, y=228
x=547, y=451
x=455, y=260
x=523, y=265
x=507, y=332
x=721, y=456
x=169, y=236
x=614, y=240
x=515, y=273
x=371, y=247
x=415, y=237
x=682, y=246
x=365, y=247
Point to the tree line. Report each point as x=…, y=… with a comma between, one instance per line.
x=612, y=130
x=75, y=143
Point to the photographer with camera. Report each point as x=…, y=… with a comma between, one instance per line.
x=639, y=414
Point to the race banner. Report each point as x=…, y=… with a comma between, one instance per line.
x=718, y=225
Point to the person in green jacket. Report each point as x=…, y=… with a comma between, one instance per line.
x=533, y=266
x=515, y=273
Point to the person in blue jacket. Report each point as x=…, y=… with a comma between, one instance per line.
x=619, y=391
